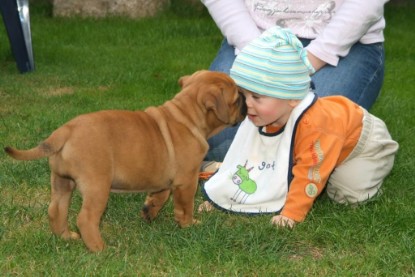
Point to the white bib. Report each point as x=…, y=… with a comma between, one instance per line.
x=255, y=174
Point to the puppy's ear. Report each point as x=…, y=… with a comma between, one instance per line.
x=215, y=101
x=184, y=80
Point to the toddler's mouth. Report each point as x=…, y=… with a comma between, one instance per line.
x=252, y=116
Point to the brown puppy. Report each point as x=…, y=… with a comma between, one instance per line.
x=158, y=150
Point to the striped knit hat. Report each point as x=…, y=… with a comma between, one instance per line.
x=275, y=64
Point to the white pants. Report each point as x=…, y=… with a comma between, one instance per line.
x=361, y=175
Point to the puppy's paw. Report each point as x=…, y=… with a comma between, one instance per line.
x=188, y=224
x=145, y=214
x=70, y=235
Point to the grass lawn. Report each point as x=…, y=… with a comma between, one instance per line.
x=85, y=65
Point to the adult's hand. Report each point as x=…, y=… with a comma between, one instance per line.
x=315, y=62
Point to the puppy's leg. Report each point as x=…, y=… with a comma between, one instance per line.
x=95, y=197
x=153, y=203
x=184, y=204
x=62, y=189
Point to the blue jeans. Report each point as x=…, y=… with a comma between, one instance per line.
x=358, y=76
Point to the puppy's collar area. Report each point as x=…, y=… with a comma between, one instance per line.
x=178, y=114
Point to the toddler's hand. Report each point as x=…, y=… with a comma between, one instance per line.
x=282, y=221
x=205, y=207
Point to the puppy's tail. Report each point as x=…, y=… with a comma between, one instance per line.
x=53, y=144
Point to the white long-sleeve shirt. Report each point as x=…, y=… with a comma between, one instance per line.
x=333, y=25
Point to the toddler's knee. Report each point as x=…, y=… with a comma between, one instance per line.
x=352, y=197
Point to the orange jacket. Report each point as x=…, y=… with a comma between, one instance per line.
x=326, y=134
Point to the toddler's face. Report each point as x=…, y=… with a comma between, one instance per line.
x=265, y=110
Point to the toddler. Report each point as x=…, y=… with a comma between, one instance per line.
x=293, y=144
